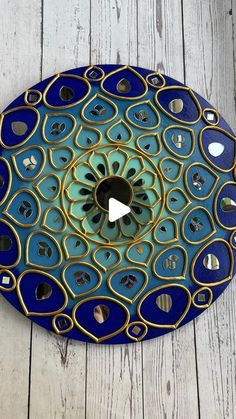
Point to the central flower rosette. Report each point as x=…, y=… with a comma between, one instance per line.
x=116, y=172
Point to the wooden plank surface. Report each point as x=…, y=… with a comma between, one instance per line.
x=114, y=374
x=189, y=373
x=210, y=71
x=58, y=366
x=18, y=51
x=169, y=364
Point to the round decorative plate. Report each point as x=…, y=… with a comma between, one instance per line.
x=71, y=144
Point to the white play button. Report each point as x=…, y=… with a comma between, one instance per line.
x=117, y=210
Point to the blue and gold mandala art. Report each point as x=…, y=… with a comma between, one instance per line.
x=74, y=141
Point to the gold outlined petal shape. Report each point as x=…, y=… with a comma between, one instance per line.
x=217, y=195
x=53, y=190
x=17, y=243
x=110, y=335
x=24, y=140
x=65, y=161
x=170, y=268
x=208, y=159
x=91, y=69
x=111, y=250
x=35, y=93
x=91, y=141
x=124, y=127
x=58, y=216
x=40, y=169
x=65, y=76
x=78, y=239
x=50, y=239
x=139, y=329
x=87, y=291
x=126, y=271
x=164, y=171
x=178, y=128
x=209, y=170
x=176, y=191
x=149, y=106
x=211, y=116
x=179, y=88
x=6, y=210
x=48, y=278
x=156, y=80
x=165, y=291
x=211, y=224
x=173, y=237
x=233, y=239
x=142, y=257
x=147, y=144
x=124, y=70
x=198, y=254
x=66, y=135
x=105, y=100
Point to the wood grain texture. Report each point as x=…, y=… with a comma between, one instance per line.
x=210, y=71
x=114, y=374
x=18, y=51
x=169, y=363
x=58, y=366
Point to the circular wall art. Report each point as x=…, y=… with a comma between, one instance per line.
x=70, y=144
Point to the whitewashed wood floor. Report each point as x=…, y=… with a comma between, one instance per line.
x=190, y=373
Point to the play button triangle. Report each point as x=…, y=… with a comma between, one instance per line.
x=117, y=209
